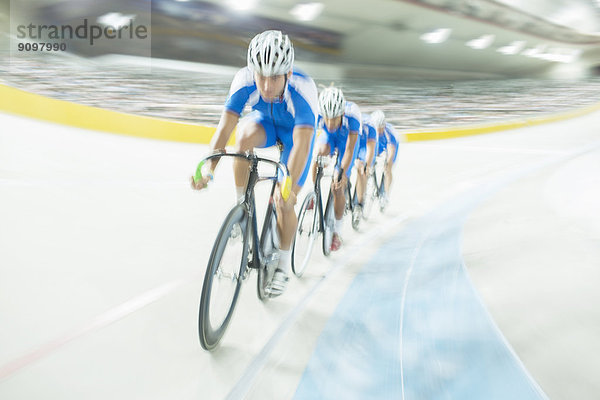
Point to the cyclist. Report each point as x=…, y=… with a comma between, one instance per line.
x=386, y=136
x=366, y=156
x=284, y=101
x=340, y=122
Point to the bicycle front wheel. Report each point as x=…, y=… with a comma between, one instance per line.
x=382, y=195
x=269, y=245
x=328, y=225
x=305, y=234
x=223, y=278
x=370, y=196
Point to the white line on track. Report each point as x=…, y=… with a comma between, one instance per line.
x=101, y=321
x=121, y=311
x=240, y=390
x=413, y=260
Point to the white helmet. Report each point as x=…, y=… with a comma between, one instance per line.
x=270, y=53
x=378, y=118
x=331, y=102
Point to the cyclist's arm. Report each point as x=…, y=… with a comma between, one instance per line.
x=300, y=152
x=227, y=124
x=305, y=100
x=352, y=112
x=370, y=152
x=391, y=152
x=349, y=152
x=239, y=92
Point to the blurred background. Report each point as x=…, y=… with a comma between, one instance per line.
x=428, y=63
x=111, y=218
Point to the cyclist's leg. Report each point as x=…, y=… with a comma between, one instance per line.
x=339, y=198
x=252, y=131
x=391, y=160
x=325, y=147
x=353, y=162
x=288, y=221
x=361, y=176
x=339, y=201
x=378, y=153
x=361, y=181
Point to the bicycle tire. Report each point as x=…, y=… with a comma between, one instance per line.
x=210, y=336
x=328, y=222
x=382, y=195
x=307, y=227
x=356, y=217
x=356, y=209
x=370, y=196
x=347, y=201
x=269, y=245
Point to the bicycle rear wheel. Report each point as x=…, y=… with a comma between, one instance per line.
x=223, y=278
x=269, y=245
x=328, y=224
x=370, y=196
x=382, y=195
x=348, y=200
x=356, y=217
x=305, y=234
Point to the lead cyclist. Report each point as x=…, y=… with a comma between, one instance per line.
x=284, y=108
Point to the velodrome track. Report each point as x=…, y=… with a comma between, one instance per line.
x=478, y=282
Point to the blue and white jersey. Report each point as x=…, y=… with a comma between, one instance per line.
x=297, y=107
x=368, y=131
x=338, y=139
x=350, y=123
x=388, y=137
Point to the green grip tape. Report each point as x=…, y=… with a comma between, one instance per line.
x=198, y=175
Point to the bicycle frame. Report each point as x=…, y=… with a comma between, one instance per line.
x=257, y=260
x=256, y=252
x=379, y=184
x=319, y=192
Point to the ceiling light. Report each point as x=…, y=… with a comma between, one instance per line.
x=307, y=11
x=241, y=5
x=482, y=42
x=513, y=48
x=437, y=36
x=561, y=55
x=115, y=20
x=534, y=51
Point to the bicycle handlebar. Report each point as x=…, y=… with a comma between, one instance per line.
x=286, y=187
x=321, y=160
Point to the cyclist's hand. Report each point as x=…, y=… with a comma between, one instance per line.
x=283, y=204
x=341, y=184
x=200, y=184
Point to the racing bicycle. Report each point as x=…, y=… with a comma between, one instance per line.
x=375, y=190
x=238, y=249
x=313, y=220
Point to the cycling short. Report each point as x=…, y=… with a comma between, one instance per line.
x=285, y=135
x=395, y=155
x=362, y=155
x=339, y=143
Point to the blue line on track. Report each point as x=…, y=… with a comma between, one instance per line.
x=411, y=325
